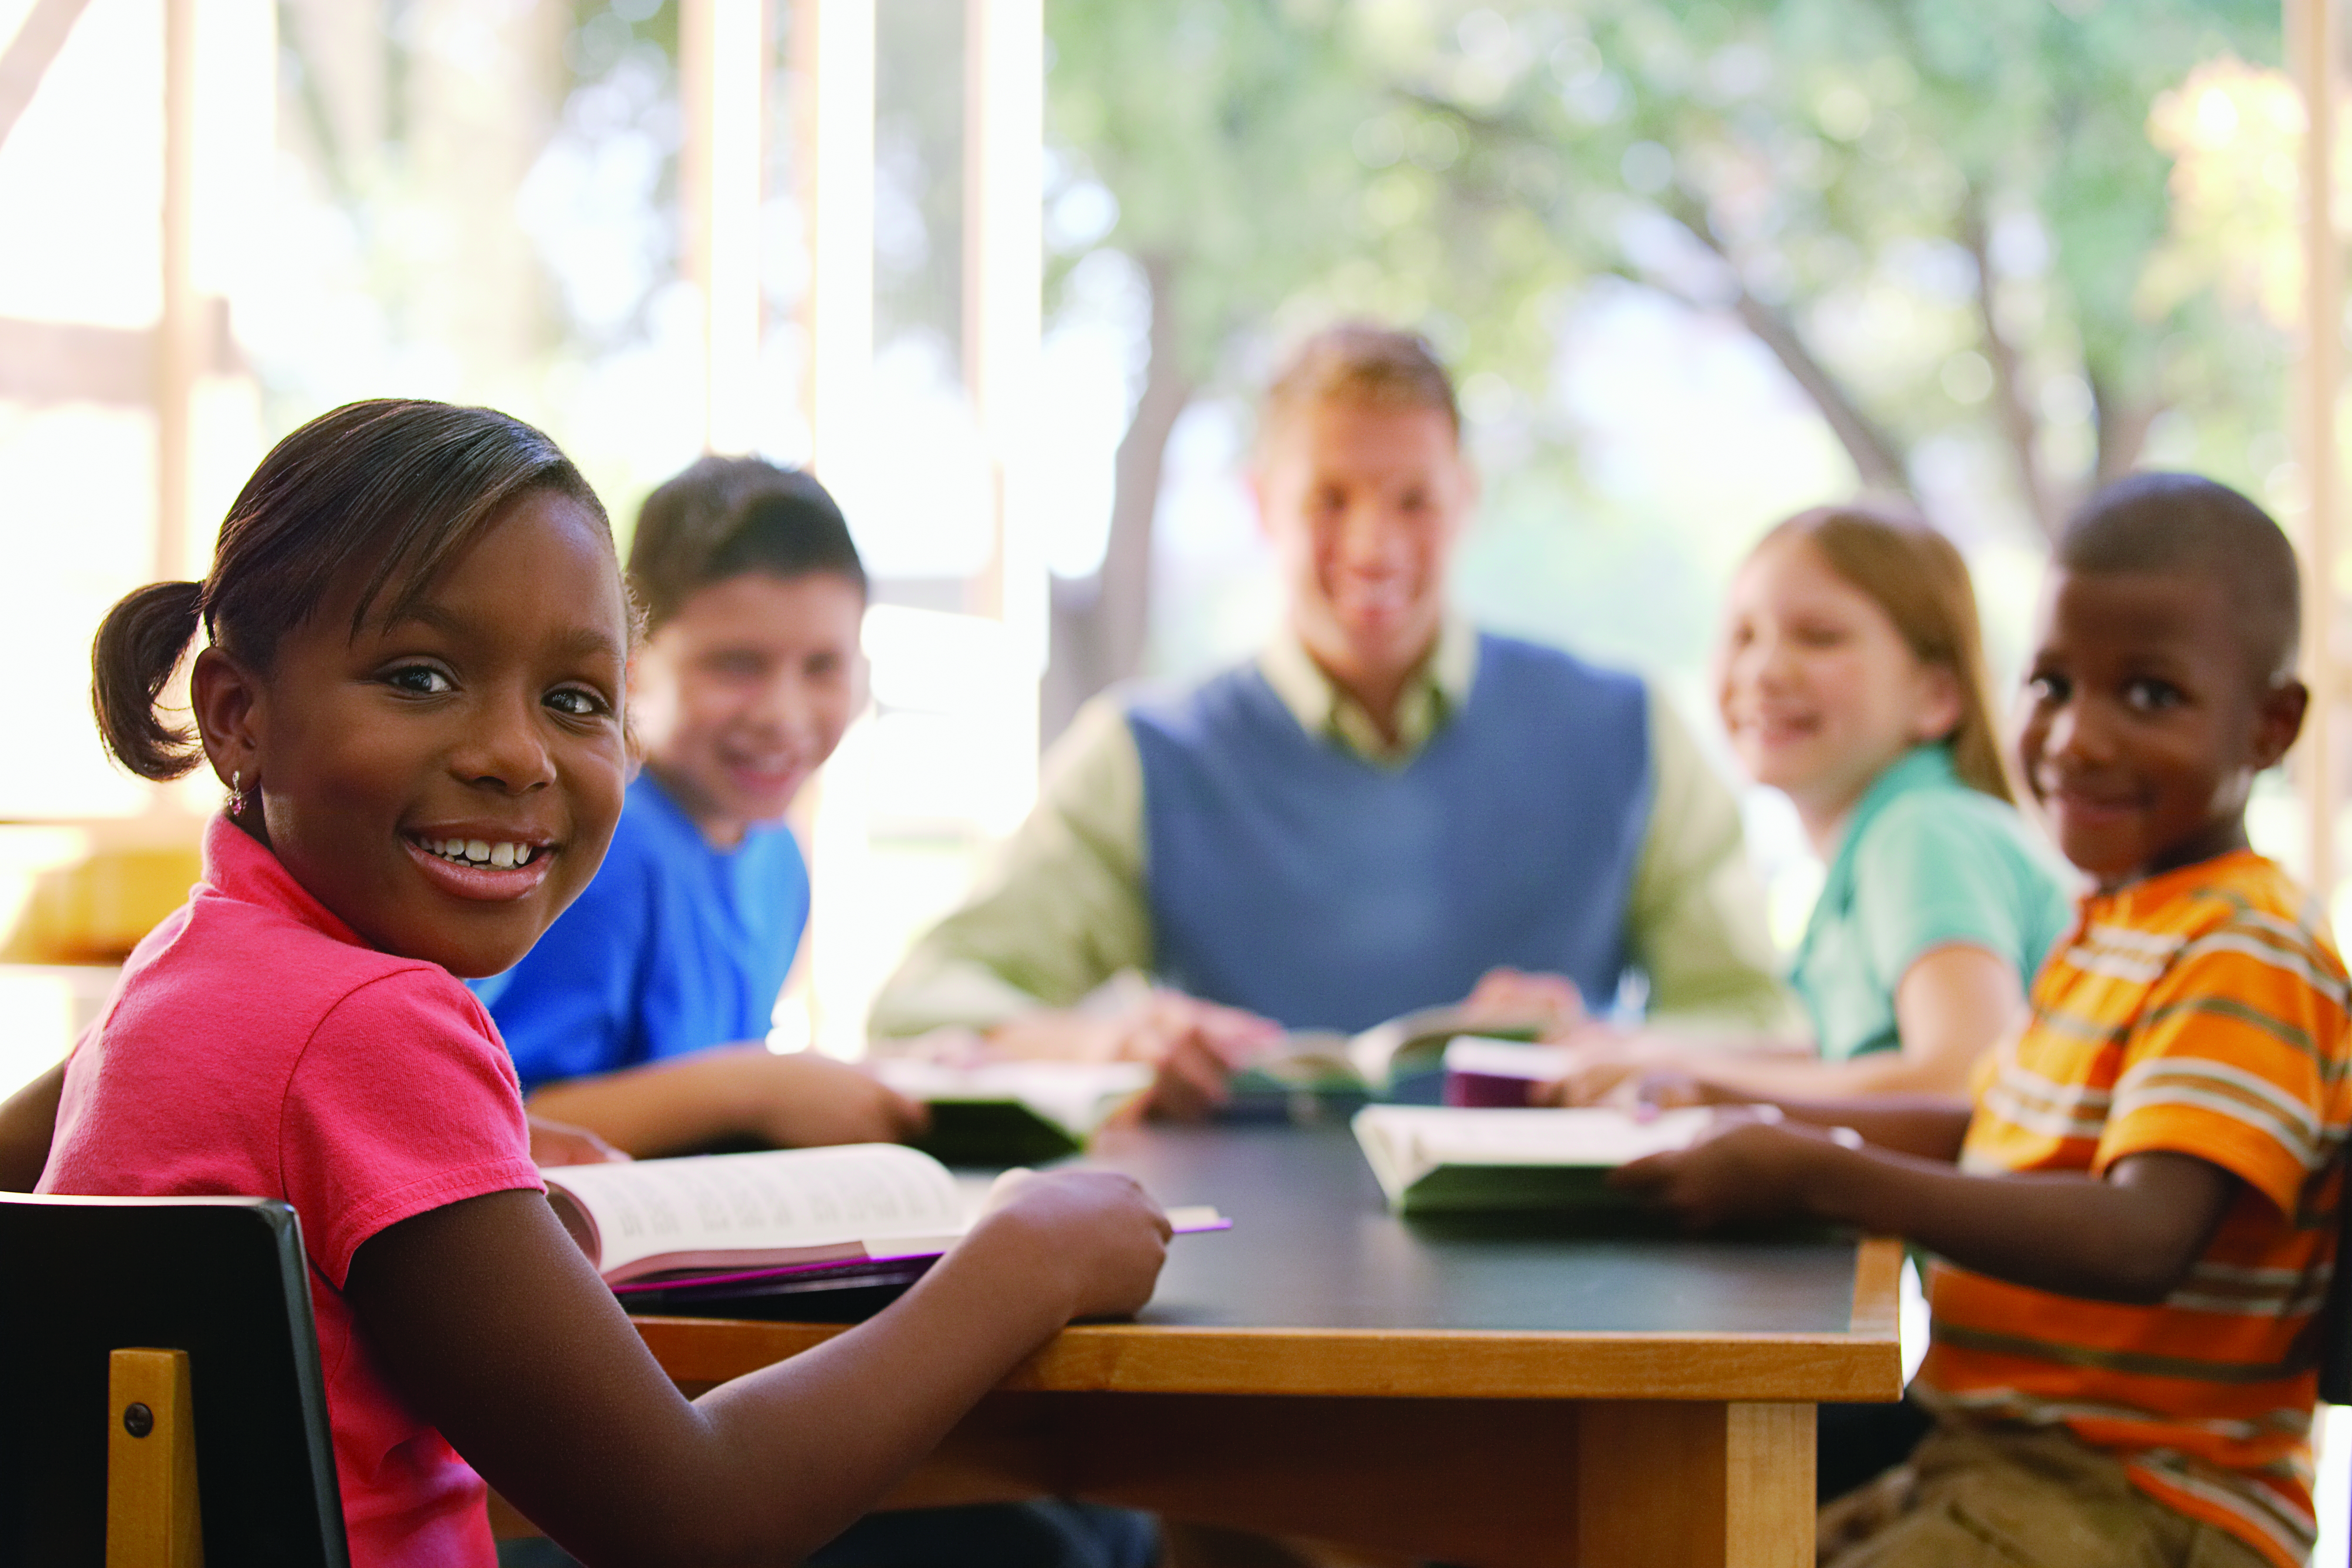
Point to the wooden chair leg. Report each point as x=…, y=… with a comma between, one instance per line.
x=151, y=1518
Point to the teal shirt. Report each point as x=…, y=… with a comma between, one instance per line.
x=1926, y=862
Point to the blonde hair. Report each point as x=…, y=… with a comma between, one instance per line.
x=1915, y=575
x=1359, y=365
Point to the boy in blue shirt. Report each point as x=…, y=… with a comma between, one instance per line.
x=641, y=1014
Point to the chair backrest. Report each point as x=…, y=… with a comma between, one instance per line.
x=224, y=1279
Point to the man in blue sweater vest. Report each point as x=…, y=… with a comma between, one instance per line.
x=1385, y=810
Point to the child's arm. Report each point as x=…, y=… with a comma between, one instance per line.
x=496, y=1330
x=2130, y=1237
x=743, y=1092
x=1950, y=1006
x=28, y=1121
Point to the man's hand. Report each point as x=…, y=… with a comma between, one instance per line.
x=1194, y=1045
x=1746, y=1168
x=1517, y=999
x=561, y=1144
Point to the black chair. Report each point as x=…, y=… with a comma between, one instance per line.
x=224, y=1282
x=2334, y=1323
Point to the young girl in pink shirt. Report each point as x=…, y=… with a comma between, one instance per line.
x=417, y=642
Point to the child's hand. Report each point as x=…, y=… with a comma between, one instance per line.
x=1604, y=1064
x=1095, y=1229
x=1747, y=1168
x=561, y=1144
x=805, y=1099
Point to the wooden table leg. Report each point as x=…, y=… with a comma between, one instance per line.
x=1703, y=1484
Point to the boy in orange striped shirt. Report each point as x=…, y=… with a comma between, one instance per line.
x=2138, y=1221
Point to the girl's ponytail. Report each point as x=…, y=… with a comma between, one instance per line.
x=139, y=645
x=399, y=484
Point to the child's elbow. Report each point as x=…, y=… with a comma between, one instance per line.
x=2143, y=1274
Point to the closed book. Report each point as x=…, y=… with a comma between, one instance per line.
x=1012, y=1112
x=1455, y=1160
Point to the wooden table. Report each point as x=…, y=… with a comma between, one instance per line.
x=1478, y=1393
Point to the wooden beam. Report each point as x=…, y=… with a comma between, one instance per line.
x=1003, y=328
x=2313, y=40
x=724, y=55
x=179, y=342
x=834, y=59
x=29, y=54
x=46, y=362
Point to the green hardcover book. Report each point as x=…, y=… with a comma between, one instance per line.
x=1453, y=1160
x=1012, y=1113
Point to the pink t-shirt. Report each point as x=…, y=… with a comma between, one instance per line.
x=255, y=1047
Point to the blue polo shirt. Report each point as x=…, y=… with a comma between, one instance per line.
x=1926, y=862
x=675, y=947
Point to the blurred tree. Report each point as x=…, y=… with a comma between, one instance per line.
x=1222, y=131
x=1817, y=166
x=1947, y=224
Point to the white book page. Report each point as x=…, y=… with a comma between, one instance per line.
x=1404, y=1142
x=790, y=1198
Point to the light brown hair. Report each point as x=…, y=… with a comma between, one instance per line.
x=1359, y=365
x=1915, y=575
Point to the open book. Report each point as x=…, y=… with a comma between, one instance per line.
x=769, y=1222
x=1370, y=1065
x=1013, y=1112
x=1447, y=1159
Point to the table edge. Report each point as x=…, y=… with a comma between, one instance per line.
x=1433, y=1363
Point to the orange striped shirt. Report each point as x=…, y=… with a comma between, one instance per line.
x=2201, y=1012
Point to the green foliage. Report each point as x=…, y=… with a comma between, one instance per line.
x=1221, y=126
x=1838, y=166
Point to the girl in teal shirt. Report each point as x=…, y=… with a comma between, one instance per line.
x=1851, y=679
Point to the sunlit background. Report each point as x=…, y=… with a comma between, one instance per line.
x=1006, y=275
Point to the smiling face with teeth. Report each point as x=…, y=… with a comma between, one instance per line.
x=1818, y=689
x=744, y=692
x=1363, y=505
x=445, y=782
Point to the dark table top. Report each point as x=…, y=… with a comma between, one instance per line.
x=1313, y=1244
x=1317, y=1290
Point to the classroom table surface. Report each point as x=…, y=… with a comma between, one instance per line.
x=1522, y=1393
x=1313, y=1244
x=1318, y=1290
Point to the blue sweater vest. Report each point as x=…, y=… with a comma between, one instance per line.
x=1293, y=879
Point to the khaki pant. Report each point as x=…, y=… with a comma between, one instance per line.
x=2016, y=1498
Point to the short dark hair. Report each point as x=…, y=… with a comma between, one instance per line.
x=399, y=486
x=726, y=516
x=2171, y=522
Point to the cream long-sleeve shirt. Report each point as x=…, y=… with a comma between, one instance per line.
x=1065, y=905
